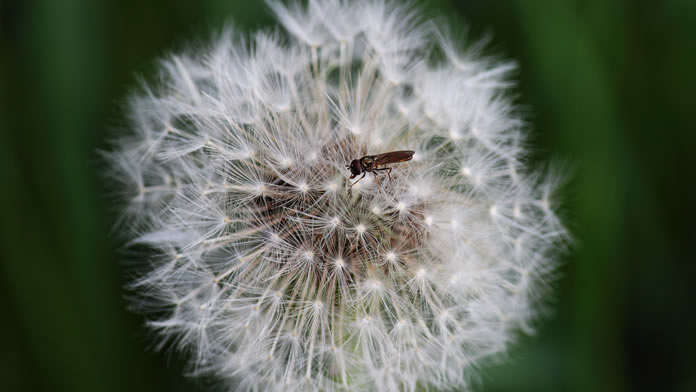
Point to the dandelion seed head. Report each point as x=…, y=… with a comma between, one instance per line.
x=271, y=269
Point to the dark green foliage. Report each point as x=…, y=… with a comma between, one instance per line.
x=609, y=84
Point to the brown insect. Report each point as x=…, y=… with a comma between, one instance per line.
x=373, y=164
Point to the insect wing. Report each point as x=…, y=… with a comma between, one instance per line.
x=393, y=157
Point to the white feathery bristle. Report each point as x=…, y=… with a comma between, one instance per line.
x=271, y=270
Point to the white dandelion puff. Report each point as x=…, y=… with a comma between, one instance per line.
x=270, y=270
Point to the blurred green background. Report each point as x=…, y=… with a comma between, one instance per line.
x=611, y=85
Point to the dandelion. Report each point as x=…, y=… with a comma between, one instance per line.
x=269, y=270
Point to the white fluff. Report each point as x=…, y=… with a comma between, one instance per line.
x=274, y=276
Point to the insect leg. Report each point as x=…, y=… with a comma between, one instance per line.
x=384, y=168
x=374, y=172
x=363, y=176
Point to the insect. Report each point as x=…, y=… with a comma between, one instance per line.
x=373, y=164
